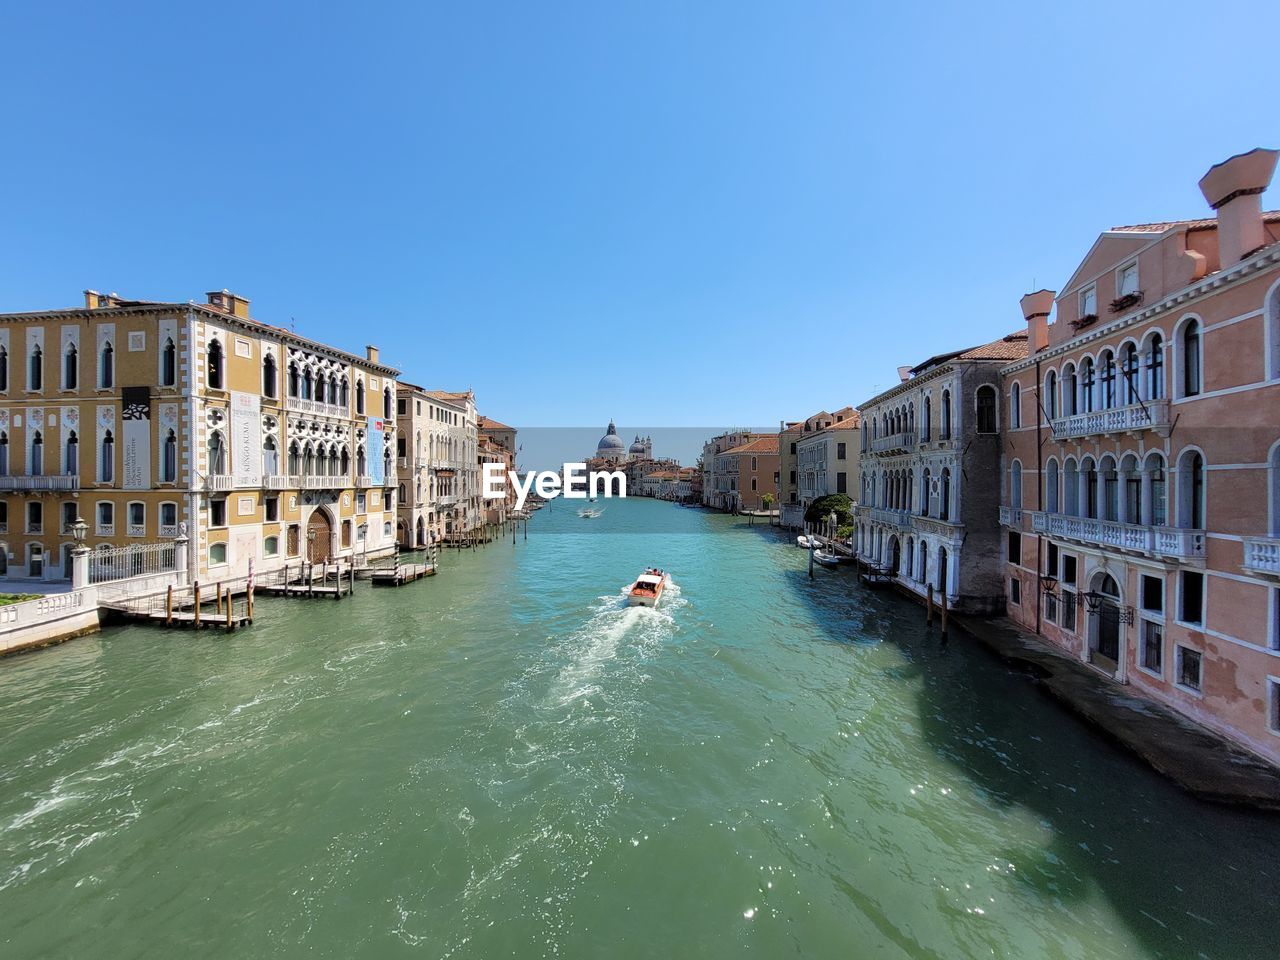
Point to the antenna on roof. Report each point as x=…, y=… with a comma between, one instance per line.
x=293, y=326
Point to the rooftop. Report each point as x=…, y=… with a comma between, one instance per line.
x=1270, y=216
x=765, y=444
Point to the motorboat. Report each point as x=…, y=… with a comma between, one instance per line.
x=647, y=590
x=588, y=514
x=804, y=542
x=827, y=559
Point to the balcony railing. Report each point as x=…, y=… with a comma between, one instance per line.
x=938, y=527
x=298, y=405
x=106, y=529
x=1173, y=542
x=218, y=482
x=168, y=529
x=1011, y=517
x=137, y=529
x=364, y=480
x=70, y=481
x=894, y=518
x=275, y=481
x=1153, y=415
x=1262, y=555
x=899, y=442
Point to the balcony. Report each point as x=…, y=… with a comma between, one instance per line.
x=218, y=482
x=168, y=529
x=1011, y=517
x=364, y=480
x=106, y=529
x=323, y=483
x=1262, y=555
x=38, y=483
x=298, y=405
x=900, y=442
x=275, y=481
x=137, y=529
x=947, y=529
x=893, y=518
x=1153, y=415
x=1170, y=542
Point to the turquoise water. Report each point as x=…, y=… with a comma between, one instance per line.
x=504, y=761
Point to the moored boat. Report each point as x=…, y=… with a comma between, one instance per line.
x=648, y=588
x=826, y=558
x=805, y=542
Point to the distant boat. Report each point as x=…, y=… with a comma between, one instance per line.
x=647, y=590
x=804, y=542
x=588, y=514
x=827, y=559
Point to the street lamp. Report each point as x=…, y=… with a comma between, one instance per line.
x=1048, y=585
x=78, y=530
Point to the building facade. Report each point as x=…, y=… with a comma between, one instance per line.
x=148, y=418
x=1141, y=481
x=927, y=511
x=827, y=455
x=720, y=474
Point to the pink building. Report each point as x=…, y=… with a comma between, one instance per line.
x=1141, y=473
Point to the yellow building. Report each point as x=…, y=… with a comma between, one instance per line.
x=149, y=418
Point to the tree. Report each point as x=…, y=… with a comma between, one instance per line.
x=822, y=507
x=767, y=500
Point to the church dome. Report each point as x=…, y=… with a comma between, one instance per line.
x=636, y=447
x=610, y=442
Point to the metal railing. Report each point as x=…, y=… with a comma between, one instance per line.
x=135, y=560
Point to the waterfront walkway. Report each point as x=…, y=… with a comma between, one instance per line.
x=1198, y=759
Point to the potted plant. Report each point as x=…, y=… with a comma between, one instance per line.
x=1128, y=300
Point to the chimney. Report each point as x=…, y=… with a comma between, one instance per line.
x=91, y=298
x=1035, y=309
x=904, y=374
x=1234, y=189
x=229, y=302
x=371, y=353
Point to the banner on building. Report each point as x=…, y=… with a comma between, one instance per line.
x=376, y=443
x=135, y=404
x=246, y=439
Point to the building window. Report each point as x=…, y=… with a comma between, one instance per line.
x=840, y=451
x=271, y=546
x=1189, y=668
x=70, y=368
x=402, y=407
x=360, y=397
x=269, y=377
x=985, y=403
x=1191, y=359
x=106, y=471
x=1015, y=484
x=1089, y=303
x=35, y=369
x=215, y=365
x=168, y=363
x=218, y=512
x=4, y=369
x=168, y=518
x=1152, y=647
x=1192, y=597
x=137, y=513
x=35, y=516
x=1015, y=591
x=1191, y=492
x=217, y=554
x=945, y=429
x=272, y=509
x=107, y=367
x=36, y=464
x=1273, y=704
x=1152, y=596
x=169, y=458
x=217, y=454
x=753, y=463
x=1051, y=395
x=1108, y=362
x=842, y=482
x=1086, y=385
x=106, y=518
x=1127, y=279
x=1015, y=407
x=944, y=501
x=1015, y=548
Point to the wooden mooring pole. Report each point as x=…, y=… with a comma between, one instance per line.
x=195, y=594
x=928, y=607
x=944, y=611
x=217, y=597
x=168, y=606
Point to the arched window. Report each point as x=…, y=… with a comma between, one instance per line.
x=36, y=467
x=387, y=409
x=1051, y=487
x=985, y=409
x=344, y=397
x=217, y=454
x=333, y=389
x=1051, y=396
x=107, y=468
x=169, y=458
x=295, y=459
x=945, y=430
x=1089, y=472
x=1191, y=359
x=269, y=376
x=1108, y=365
x=168, y=363
x=1157, y=495
x=346, y=462
x=1110, y=480
x=925, y=492
x=926, y=423
x=35, y=369
x=1191, y=499
x=1070, y=488
x=217, y=554
x=4, y=369
x=71, y=461
x=215, y=365
x=4, y=453
x=308, y=383
x=308, y=461
x=361, y=462
x=270, y=457
x=70, y=368
x=107, y=366
x=1015, y=484
x=1070, y=388
x=360, y=397
x=333, y=461
x=1155, y=368
x=270, y=546
x=1272, y=338
x=1086, y=385
x=1015, y=406
x=924, y=561
x=293, y=378
x=942, y=570
x=1129, y=374
x=944, y=501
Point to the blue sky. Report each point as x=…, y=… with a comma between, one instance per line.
x=666, y=213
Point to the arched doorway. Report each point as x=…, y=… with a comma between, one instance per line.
x=1104, y=623
x=942, y=570
x=895, y=557
x=319, y=536
x=422, y=532
x=402, y=533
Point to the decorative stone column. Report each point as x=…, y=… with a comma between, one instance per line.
x=181, y=551
x=79, y=567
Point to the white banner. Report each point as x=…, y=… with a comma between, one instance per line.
x=246, y=439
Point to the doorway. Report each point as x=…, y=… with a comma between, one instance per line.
x=319, y=536
x=1104, y=625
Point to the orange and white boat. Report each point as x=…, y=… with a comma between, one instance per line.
x=648, y=588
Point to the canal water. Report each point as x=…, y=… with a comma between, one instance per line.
x=506, y=762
